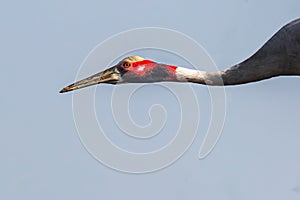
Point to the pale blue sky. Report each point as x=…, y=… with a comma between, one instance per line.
x=44, y=43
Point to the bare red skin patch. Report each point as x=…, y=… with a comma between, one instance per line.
x=149, y=71
x=146, y=66
x=172, y=73
x=141, y=68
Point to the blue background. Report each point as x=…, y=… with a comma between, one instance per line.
x=42, y=46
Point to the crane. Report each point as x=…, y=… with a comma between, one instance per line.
x=279, y=56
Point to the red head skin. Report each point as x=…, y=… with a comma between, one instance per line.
x=146, y=71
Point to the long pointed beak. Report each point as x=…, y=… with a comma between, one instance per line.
x=111, y=75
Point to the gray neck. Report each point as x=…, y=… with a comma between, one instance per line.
x=236, y=75
x=280, y=55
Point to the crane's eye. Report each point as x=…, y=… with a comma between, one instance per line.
x=126, y=64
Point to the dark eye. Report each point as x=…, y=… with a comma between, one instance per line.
x=126, y=64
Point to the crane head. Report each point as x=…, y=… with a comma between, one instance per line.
x=132, y=69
